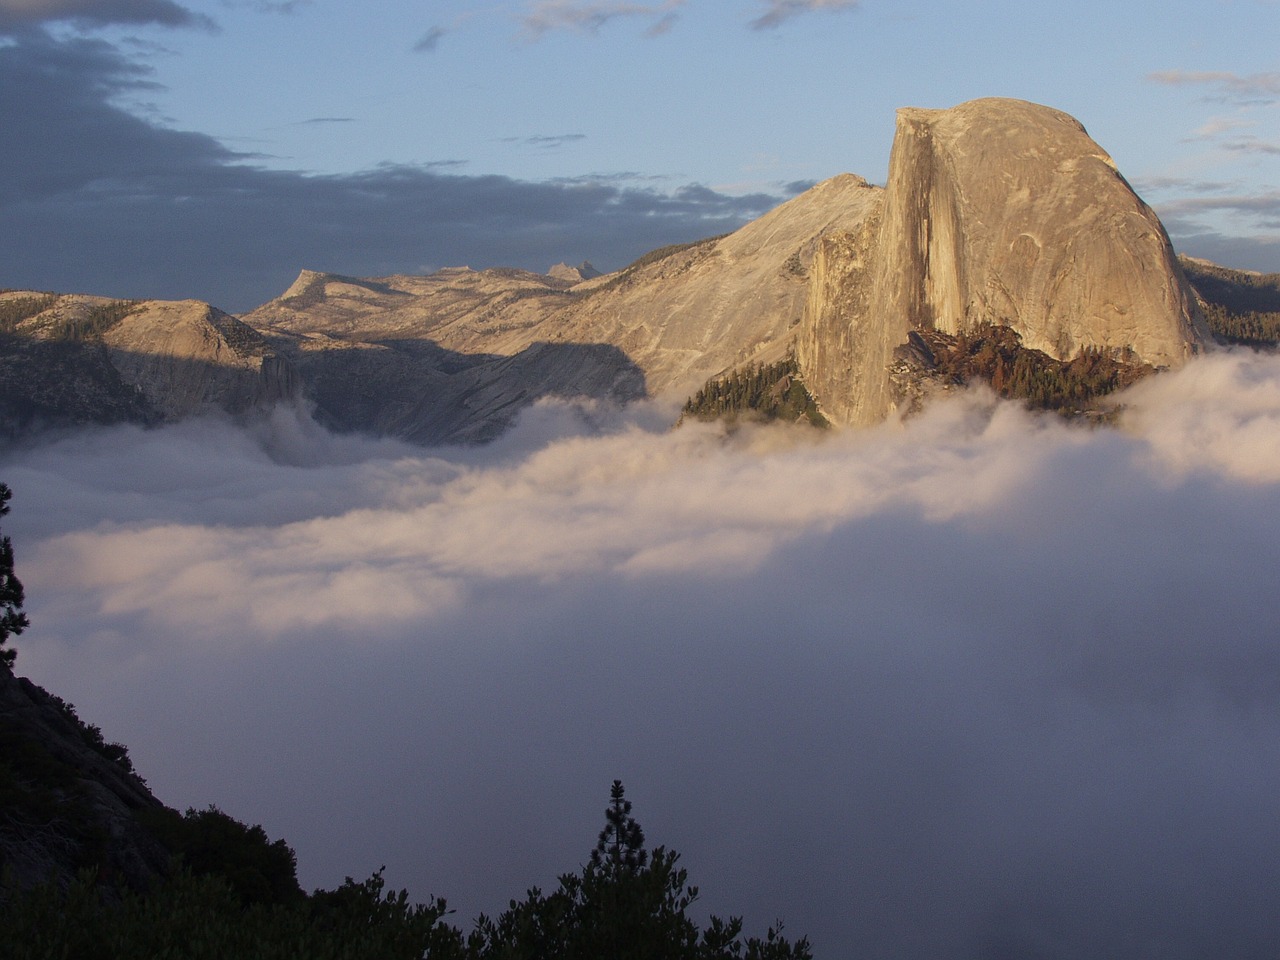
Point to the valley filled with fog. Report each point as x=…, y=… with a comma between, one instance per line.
x=980, y=683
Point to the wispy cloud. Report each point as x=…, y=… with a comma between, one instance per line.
x=283, y=7
x=557, y=140
x=547, y=141
x=318, y=121
x=1218, y=126
x=430, y=40
x=1262, y=204
x=779, y=11
x=618, y=177
x=1253, y=145
x=589, y=16
x=1168, y=183
x=1227, y=133
x=1230, y=86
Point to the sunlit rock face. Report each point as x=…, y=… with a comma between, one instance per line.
x=186, y=356
x=996, y=211
x=453, y=356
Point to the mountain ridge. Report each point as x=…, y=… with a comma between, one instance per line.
x=996, y=212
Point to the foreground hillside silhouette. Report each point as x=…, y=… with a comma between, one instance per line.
x=228, y=891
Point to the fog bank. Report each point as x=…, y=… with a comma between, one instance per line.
x=982, y=684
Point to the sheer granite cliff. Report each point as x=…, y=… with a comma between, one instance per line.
x=996, y=211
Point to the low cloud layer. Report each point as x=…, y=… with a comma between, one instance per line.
x=979, y=685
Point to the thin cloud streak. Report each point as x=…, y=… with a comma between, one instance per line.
x=1265, y=208
x=780, y=11
x=1251, y=87
x=283, y=7
x=1252, y=145
x=589, y=16
x=430, y=40
x=902, y=686
x=547, y=140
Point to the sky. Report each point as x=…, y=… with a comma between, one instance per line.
x=982, y=684
x=214, y=148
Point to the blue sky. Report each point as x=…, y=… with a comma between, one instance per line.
x=213, y=148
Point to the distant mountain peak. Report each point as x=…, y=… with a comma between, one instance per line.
x=584, y=271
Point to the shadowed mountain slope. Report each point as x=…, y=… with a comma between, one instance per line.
x=70, y=360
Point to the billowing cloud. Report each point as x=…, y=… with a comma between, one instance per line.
x=779, y=11
x=173, y=214
x=17, y=14
x=980, y=684
x=543, y=16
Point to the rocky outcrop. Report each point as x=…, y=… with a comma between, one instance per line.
x=996, y=211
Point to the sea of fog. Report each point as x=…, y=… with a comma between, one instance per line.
x=981, y=684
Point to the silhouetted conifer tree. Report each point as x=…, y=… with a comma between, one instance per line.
x=628, y=903
x=12, y=619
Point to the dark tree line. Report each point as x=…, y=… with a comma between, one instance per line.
x=88, y=322
x=237, y=895
x=16, y=309
x=758, y=392
x=1240, y=307
x=1250, y=328
x=96, y=321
